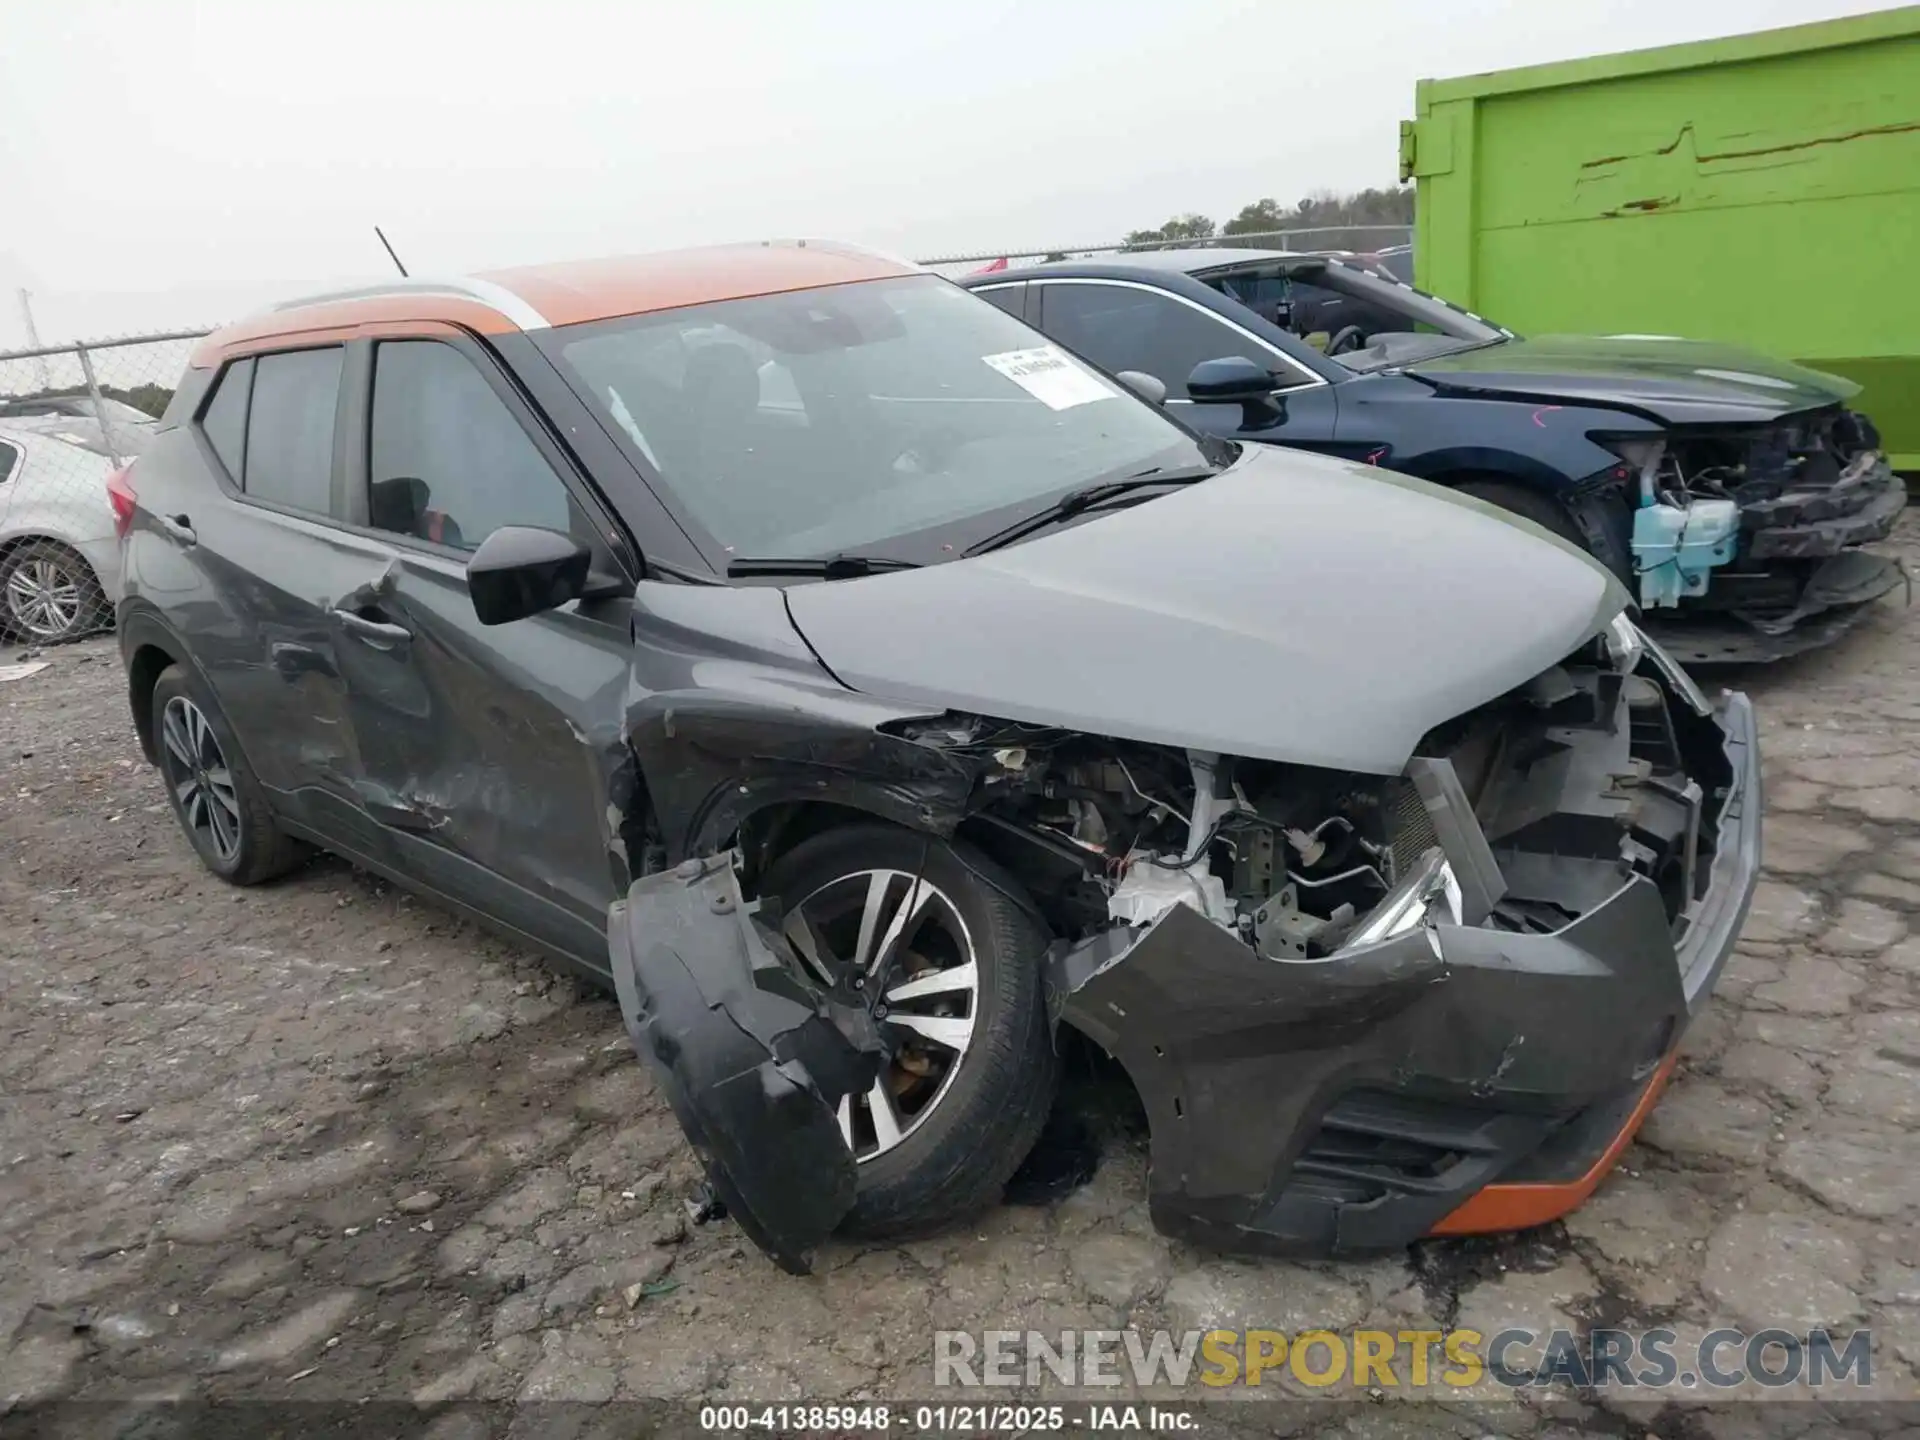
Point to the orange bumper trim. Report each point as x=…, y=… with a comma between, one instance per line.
x=1519, y=1207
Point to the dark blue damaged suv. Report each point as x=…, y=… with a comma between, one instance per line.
x=1729, y=492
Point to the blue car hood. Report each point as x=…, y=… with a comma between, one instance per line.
x=1681, y=382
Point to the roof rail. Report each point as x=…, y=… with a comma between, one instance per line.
x=484, y=292
x=847, y=247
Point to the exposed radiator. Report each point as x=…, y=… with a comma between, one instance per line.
x=1410, y=832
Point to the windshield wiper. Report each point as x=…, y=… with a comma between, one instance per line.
x=830, y=567
x=1078, y=502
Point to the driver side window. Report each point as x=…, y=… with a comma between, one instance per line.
x=447, y=461
x=1122, y=327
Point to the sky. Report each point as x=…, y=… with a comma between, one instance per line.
x=171, y=163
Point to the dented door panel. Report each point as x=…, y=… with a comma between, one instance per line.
x=490, y=753
x=308, y=671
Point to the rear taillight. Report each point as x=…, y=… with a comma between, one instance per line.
x=120, y=495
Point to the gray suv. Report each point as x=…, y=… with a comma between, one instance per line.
x=868, y=691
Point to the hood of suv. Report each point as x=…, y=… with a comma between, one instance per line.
x=1291, y=608
x=1682, y=382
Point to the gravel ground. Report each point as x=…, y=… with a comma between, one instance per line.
x=322, y=1140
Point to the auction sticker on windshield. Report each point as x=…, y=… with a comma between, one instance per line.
x=1051, y=377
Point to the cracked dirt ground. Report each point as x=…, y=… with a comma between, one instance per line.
x=321, y=1140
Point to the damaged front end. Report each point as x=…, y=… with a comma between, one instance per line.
x=1559, y=877
x=1358, y=1008
x=1477, y=1049
x=1749, y=538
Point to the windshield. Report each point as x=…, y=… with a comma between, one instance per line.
x=824, y=421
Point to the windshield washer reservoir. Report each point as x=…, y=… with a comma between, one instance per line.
x=1674, y=547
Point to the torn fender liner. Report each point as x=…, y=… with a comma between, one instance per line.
x=752, y=1058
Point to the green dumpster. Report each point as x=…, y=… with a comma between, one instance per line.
x=1762, y=189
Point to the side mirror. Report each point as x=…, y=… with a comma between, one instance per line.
x=520, y=571
x=1150, y=388
x=1236, y=380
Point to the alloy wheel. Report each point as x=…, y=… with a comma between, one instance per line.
x=897, y=943
x=43, y=598
x=201, y=781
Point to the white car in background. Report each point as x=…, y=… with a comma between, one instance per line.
x=59, y=554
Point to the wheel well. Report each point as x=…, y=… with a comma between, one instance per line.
x=1595, y=520
x=1097, y=1083
x=769, y=833
x=143, y=673
x=15, y=542
x=1469, y=475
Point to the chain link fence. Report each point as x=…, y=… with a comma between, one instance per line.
x=70, y=416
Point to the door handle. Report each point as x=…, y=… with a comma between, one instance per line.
x=377, y=633
x=180, y=528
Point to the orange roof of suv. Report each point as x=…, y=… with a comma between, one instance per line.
x=537, y=297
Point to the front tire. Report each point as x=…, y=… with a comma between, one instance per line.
x=962, y=1101
x=220, y=806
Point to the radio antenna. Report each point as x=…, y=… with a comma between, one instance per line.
x=390, y=255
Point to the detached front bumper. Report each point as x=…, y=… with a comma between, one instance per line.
x=1453, y=1080
x=1705, y=638
x=1816, y=522
x=1800, y=579
x=752, y=1059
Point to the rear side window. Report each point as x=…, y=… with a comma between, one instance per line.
x=289, y=439
x=224, y=422
x=447, y=461
x=9, y=457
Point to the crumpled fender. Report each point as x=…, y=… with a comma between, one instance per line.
x=753, y=1060
x=728, y=712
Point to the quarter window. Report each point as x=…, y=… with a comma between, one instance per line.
x=9, y=457
x=1010, y=298
x=1119, y=327
x=224, y=422
x=289, y=439
x=447, y=461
